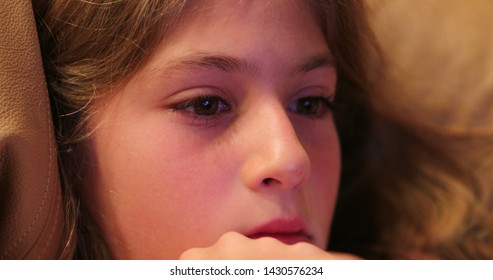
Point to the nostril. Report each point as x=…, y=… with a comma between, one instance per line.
x=270, y=182
x=267, y=181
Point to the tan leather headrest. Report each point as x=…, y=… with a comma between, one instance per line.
x=31, y=212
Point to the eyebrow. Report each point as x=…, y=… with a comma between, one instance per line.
x=230, y=64
x=314, y=62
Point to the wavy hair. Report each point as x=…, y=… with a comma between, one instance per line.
x=90, y=48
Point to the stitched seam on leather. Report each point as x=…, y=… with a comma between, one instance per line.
x=45, y=194
x=57, y=199
x=50, y=238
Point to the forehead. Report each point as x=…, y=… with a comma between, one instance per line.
x=275, y=9
x=254, y=27
x=239, y=35
x=223, y=15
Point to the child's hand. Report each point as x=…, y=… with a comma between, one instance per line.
x=233, y=245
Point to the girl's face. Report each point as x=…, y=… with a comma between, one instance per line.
x=227, y=128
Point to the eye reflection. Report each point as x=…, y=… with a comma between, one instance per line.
x=203, y=106
x=206, y=107
x=310, y=106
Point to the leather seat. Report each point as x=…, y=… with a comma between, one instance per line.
x=31, y=209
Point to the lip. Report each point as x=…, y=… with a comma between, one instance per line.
x=288, y=231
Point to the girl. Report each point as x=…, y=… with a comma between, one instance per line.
x=201, y=124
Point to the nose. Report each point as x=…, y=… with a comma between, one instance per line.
x=275, y=157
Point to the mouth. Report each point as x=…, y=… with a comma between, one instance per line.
x=288, y=231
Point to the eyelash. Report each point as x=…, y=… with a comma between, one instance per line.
x=219, y=106
x=190, y=106
x=318, y=112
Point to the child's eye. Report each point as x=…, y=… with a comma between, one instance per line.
x=310, y=106
x=203, y=106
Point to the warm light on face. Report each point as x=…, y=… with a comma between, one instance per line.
x=227, y=128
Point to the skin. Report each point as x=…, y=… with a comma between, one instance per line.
x=170, y=174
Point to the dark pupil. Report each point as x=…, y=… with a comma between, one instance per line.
x=206, y=107
x=308, y=106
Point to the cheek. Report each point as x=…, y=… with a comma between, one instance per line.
x=324, y=153
x=182, y=176
x=148, y=183
x=326, y=164
x=323, y=148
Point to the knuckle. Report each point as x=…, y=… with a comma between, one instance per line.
x=191, y=254
x=306, y=249
x=230, y=237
